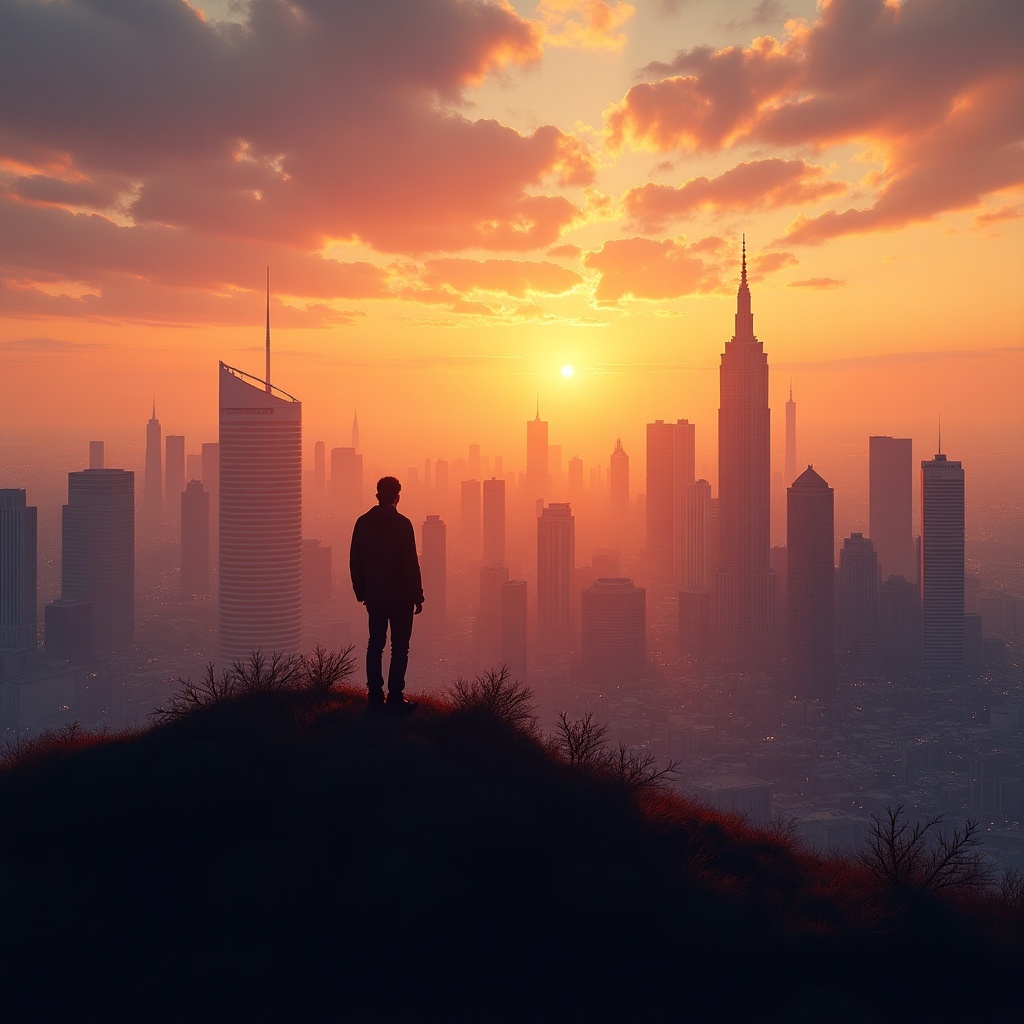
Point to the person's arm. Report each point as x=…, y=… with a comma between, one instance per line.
x=356, y=567
x=412, y=568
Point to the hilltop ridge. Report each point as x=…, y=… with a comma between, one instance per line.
x=287, y=856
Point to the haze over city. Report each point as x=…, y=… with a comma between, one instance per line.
x=512, y=239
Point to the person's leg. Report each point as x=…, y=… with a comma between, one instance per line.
x=378, y=618
x=401, y=631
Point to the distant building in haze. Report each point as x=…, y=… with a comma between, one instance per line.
x=18, y=582
x=513, y=629
x=810, y=545
x=857, y=610
x=153, y=496
x=316, y=573
x=890, y=490
x=174, y=475
x=791, y=463
x=195, y=540
x=434, y=568
x=743, y=585
x=470, y=522
x=556, y=561
x=670, y=470
x=618, y=488
x=899, y=626
x=537, y=479
x=96, y=455
x=942, y=566
x=494, y=522
x=98, y=552
x=260, y=592
x=613, y=645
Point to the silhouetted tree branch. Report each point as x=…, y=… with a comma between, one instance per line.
x=905, y=855
x=499, y=693
x=317, y=672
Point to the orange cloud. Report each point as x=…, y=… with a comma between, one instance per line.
x=760, y=183
x=819, y=283
x=588, y=24
x=642, y=268
x=933, y=88
x=510, y=277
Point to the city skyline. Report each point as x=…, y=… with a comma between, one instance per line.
x=582, y=183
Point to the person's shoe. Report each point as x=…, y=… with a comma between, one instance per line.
x=398, y=705
x=375, y=700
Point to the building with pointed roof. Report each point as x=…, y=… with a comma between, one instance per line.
x=743, y=587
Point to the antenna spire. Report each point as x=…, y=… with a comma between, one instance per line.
x=268, y=331
x=743, y=275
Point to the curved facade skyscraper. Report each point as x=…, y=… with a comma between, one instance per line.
x=260, y=560
x=744, y=583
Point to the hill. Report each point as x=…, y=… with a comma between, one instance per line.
x=286, y=856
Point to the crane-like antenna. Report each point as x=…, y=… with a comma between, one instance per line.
x=268, y=331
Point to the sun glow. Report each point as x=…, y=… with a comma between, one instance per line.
x=567, y=371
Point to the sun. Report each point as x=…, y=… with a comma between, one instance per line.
x=567, y=371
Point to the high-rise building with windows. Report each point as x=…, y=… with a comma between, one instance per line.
x=613, y=645
x=513, y=629
x=195, y=540
x=670, y=470
x=890, y=514
x=98, y=552
x=260, y=563
x=810, y=545
x=153, y=496
x=538, y=480
x=174, y=475
x=857, y=609
x=743, y=587
x=18, y=581
x=434, y=568
x=494, y=522
x=556, y=560
x=618, y=487
x=942, y=566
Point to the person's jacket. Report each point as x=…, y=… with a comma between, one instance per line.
x=382, y=558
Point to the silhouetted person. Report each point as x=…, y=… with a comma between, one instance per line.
x=386, y=578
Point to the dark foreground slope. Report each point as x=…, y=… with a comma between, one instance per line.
x=282, y=857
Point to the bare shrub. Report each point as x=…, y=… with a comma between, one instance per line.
x=317, y=673
x=584, y=742
x=1011, y=889
x=918, y=856
x=498, y=692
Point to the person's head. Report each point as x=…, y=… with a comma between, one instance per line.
x=388, y=490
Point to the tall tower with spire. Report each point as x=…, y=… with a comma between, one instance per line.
x=790, y=437
x=260, y=513
x=153, y=499
x=743, y=587
x=537, y=470
x=355, y=431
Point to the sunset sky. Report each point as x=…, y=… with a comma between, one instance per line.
x=455, y=199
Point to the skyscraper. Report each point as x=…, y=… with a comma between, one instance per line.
x=942, y=566
x=195, y=540
x=260, y=600
x=670, y=470
x=537, y=471
x=153, y=503
x=98, y=552
x=857, y=620
x=470, y=522
x=434, y=567
x=513, y=628
x=494, y=521
x=743, y=585
x=346, y=487
x=174, y=474
x=790, y=470
x=618, y=485
x=613, y=632
x=810, y=543
x=556, y=560
x=890, y=488
x=18, y=581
